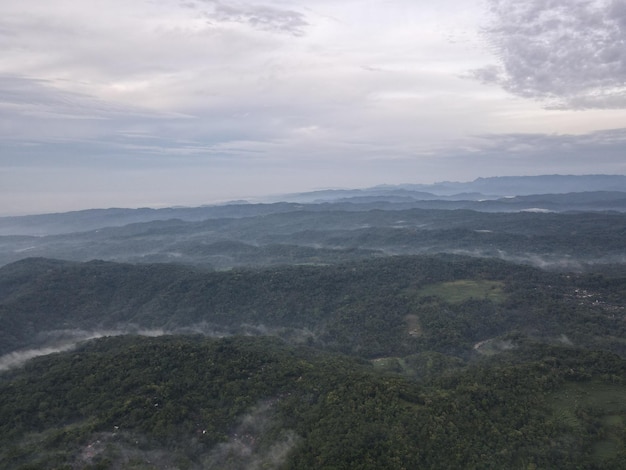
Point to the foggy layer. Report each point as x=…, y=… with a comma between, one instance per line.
x=56, y=341
x=61, y=341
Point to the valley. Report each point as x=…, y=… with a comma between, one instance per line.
x=317, y=337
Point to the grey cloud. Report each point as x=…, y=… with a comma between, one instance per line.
x=20, y=90
x=597, y=141
x=580, y=153
x=43, y=124
x=566, y=53
x=600, y=152
x=38, y=97
x=261, y=17
x=6, y=31
x=40, y=122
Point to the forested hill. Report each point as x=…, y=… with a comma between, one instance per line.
x=314, y=236
x=555, y=193
x=235, y=403
x=394, y=306
x=342, y=330
x=400, y=362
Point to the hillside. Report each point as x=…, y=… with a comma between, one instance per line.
x=557, y=193
x=177, y=402
x=389, y=328
x=394, y=306
x=398, y=362
x=314, y=236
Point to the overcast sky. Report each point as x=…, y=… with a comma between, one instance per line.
x=155, y=103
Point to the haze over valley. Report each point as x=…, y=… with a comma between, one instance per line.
x=234, y=336
x=278, y=234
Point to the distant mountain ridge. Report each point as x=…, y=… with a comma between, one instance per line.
x=548, y=193
x=492, y=188
x=527, y=185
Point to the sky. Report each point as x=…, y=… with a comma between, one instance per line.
x=155, y=103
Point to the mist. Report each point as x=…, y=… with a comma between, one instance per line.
x=247, y=448
x=57, y=341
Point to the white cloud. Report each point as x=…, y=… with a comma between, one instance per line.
x=263, y=17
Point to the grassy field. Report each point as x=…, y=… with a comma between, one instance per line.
x=596, y=404
x=460, y=291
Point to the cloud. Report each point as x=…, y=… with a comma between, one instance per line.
x=600, y=145
x=261, y=17
x=69, y=126
x=599, y=152
x=240, y=98
x=44, y=98
x=568, y=54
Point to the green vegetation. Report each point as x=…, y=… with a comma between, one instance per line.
x=257, y=235
x=370, y=309
x=291, y=340
x=398, y=362
x=459, y=291
x=192, y=402
x=598, y=408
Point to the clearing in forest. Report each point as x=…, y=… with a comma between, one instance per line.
x=465, y=289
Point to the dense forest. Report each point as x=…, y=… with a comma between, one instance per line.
x=393, y=306
x=388, y=328
x=192, y=402
x=329, y=233
x=398, y=362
